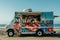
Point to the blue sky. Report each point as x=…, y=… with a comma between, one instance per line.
x=8, y=7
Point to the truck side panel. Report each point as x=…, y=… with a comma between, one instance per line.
x=47, y=21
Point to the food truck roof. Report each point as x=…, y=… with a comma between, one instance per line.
x=32, y=13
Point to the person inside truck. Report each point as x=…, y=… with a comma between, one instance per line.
x=31, y=23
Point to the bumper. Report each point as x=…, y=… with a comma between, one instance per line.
x=53, y=32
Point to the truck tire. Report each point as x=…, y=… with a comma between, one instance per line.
x=10, y=33
x=39, y=33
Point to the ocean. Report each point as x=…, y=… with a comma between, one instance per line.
x=56, y=25
x=2, y=25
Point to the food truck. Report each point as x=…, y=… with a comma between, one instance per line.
x=38, y=23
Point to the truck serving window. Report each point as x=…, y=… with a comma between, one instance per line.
x=31, y=19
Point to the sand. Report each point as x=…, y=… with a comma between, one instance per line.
x=46, y=37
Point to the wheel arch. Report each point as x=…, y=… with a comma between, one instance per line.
x=10, y=29
x=40, y=30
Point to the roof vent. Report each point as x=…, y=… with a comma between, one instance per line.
x=27, y=10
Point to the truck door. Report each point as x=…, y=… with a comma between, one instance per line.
x=17, y=24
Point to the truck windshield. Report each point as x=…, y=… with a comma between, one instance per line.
x=12, y=22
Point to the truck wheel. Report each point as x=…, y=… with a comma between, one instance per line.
x=10, y=33
x=39, y=33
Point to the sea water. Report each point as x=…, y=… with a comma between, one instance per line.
x=56, y=25
x=2, y=25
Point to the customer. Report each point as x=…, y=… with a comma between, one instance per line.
x=17, y=27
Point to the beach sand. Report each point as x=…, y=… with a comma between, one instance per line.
x=46, y=37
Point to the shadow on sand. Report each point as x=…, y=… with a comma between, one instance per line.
x=48, y=35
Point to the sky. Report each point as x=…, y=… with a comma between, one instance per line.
x=9, y=7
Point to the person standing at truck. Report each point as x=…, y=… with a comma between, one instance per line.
x=17, y=27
